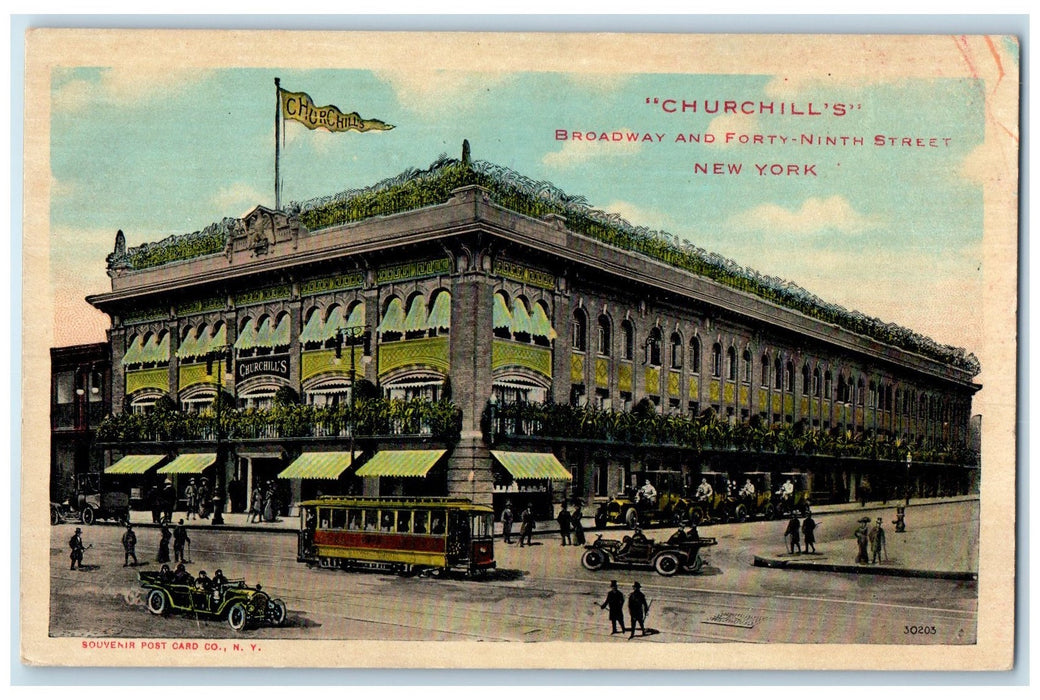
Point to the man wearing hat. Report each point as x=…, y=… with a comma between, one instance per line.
x=637, y=609
x=191, y=495
x=180, y=538
x=877, y=542
x=76, y=547
x=862, y=539
x=169, y=501
x=507, y=523
x=129, y=545
x=616, y=602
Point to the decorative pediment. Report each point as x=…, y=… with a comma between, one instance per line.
x=260, y=231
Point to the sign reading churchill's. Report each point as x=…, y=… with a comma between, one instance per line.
x=601, y=322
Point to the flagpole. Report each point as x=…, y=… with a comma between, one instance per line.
x=277, y=144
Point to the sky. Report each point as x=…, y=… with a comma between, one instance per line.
x=893, y=231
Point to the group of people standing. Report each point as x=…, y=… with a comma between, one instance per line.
x=638, y=607
x=526, y=524
x=870, y=537
x=265, y=504
x=797, y=532
x=179, y=537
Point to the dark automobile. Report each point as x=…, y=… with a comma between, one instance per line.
x=678, y=553
x=241, y=605
x=671, y=504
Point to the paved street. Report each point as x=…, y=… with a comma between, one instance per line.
x=542, y=593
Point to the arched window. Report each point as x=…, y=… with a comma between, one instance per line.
x=579, y=331
x=653, y=347
x=439, y=319
x=827, y=381
x=628, y=340
x=603, y=336
x=765, y=370
x=860, y=390
x=790, y=377
x=806, y=381
x=392, y=325
x=677, y=351
x=731, y=364
x=747, y=366
x=695, y=355
x=716, y=360
x=816, y=382
x=843, y=389
x=778, y=374
x=522, y=324
x=501, y=317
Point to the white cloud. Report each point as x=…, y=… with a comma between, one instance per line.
x=126, y=85
x=427, y=91
x=575, y=152
x=238, y=197
x=815, y=215
x=640, y=216
x=735, y=123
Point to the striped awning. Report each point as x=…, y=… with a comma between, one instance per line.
x=318, y=465
x=134, y=464
x=500, y=316
x=416, y=319
x=440, y=314
x=540, y=324
x=394, y=318
x=532, y=465
x=401, y=463
x=193, y=463
x=521, y=319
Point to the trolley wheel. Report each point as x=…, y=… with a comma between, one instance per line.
x=666, y=564
x=593, y=559
x=156, y=602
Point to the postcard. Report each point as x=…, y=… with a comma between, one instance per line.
x=538, y=351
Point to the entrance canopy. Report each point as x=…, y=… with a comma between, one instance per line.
x=319, y=465
x=401, y=463
x=532, y=465
x=189, y=463
x=134, y=464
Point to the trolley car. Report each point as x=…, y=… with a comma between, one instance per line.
x=398, y=534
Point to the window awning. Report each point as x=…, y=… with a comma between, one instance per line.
x=532, y=465
x=500, y=317
x=357, y=316
x=314, y=329
x=540, y=324
x=193, y=463
x=401, y=463
x=393, y=319
x=521, y=319
x=134, y=464
x=247, y=337
x=280, y=337
x=318, y=465
x=416, y=319
x=440, y=314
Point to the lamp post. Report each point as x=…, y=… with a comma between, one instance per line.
x=909, y=460
x=352, y=336
x=84, y=393
x=492, y=418
x=223, y=357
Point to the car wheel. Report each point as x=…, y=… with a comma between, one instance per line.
x=87, y=515
x=769, y=512
x=740, y=514
x=697, y=516
x=593, y=559
x=237, y=617
x=666, y=564
x=278, y=612
x=632, y=518
x=156, y=602
x=55, y=516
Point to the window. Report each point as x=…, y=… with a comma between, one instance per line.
x=806, y=381
x=653, y=347
x=731, y=364
x=789, y=375
x=677, y=351
x=419, y=526
x=628, y=334
x=827, y=381
x=778, y=374
x=816, y=382
x=747, y=366
x=695, y=355
x=716, y=360
x=603, y=336
x=63, y=387
x=765, y=370
x=578, y=395
x=602, y=399
x=579, y=330
x=860, y=391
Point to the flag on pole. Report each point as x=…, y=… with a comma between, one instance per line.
x=299, y=107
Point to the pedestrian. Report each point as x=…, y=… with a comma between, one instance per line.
x=791, y=535
x=809, y=533
x=191, y=494
x=616, y=602
x=862, y=540
x=637, y=609
x=577, y=527
x=155, y=501
x=180, y=537
x=526, y=525
x=877, y=541
x=129, y=545
x=564, y=519
x=168, y=499
x=507, y=523
x=76, y=549
x=203, y=498
x=164, y=545
x=256, y=508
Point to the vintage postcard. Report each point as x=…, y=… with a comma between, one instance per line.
x=488, y=350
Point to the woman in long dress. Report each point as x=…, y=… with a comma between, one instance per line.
x=164, y=545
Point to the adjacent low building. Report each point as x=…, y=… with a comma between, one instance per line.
x=466, y=331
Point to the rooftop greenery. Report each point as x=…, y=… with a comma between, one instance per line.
x=414, y=189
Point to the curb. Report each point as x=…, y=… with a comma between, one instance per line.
x=860, y=569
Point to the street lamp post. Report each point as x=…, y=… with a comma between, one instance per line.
x=222, y=356
x=351, y=336
x=909, y=460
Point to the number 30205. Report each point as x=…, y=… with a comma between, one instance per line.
x=919, y=629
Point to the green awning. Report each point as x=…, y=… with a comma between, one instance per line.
x=393, y=319
x=357, y=317
x=416, y=319
x=440, y=314
x=540, y=323
x=318, y=465
x=264, y=335
x=134, y=352
x=190, y=345
x=189, y=463
x=401, y=463
x=314, y=329
x=500, y=316
x=521, y=319
x=247, y=338
x=532, y=465
x=134, y=464
x=280, y=337
x=216, y=341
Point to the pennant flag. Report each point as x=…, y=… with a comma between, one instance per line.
x=299, y=107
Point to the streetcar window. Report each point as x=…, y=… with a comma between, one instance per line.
x=323, y=517
x=353, y=519
x=404, y=521
x=437, y=522
x=387, y=524
x=481, y=525
x=339, y=519
x=371, y=520
x=420, y=522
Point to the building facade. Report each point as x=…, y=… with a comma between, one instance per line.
x=475, y=341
